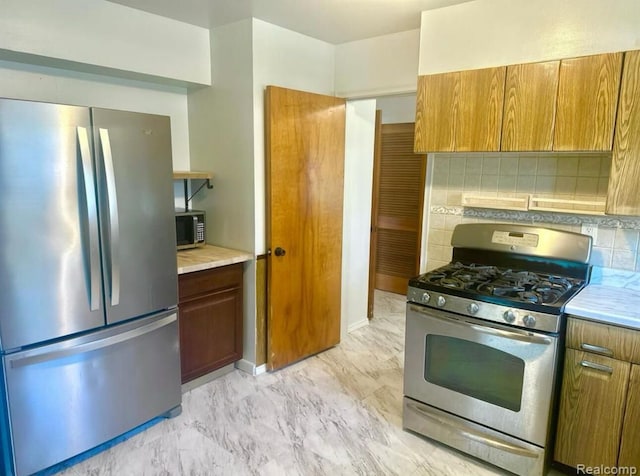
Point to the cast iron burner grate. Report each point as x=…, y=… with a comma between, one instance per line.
x=514, y=285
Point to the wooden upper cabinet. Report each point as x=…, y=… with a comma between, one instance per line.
x=436, y=108
x=622, y=193
x=478, y=124
x=460, y=111
x=587, y=100
x=529, y=106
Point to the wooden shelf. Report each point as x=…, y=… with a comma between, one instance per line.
x=189, y=174
x=533, y=203
x=582, y=207
x=500, y=203
x=186, y=175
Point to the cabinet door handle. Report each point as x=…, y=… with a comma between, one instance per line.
x=596, y=349
x=594, y=366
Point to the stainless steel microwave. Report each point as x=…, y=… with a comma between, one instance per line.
x=190, y=228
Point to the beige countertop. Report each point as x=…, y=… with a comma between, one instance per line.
x=209, y=256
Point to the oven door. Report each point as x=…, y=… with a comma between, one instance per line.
x=494, y=375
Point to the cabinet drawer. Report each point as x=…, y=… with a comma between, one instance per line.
x=612, y=341
x=191, y=285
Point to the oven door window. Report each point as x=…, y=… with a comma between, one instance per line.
x=476, y=370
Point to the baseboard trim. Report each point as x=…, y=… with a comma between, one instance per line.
x=250, y=367
x=197, y=382
x=357, y=325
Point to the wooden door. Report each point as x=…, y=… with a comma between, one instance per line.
x=622, y=194
x=591, y=410
x=530, y=106
x=398, y=190
x=587, y=100
x=305, y=173
x=630, y=445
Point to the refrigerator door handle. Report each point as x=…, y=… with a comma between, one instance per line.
x=60, y=353
x=114, y=224
x=92, y=214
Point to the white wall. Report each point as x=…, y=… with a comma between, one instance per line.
x=486, y=33
x=221, y=141
x=356, y=228
x=105, y=34
x=37, y=83
x=397, y=109
x=385, y=64
x=288, y=59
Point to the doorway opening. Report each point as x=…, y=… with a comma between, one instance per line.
x=398, y=199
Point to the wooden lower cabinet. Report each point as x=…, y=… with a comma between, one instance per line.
x=599, y=417
x=210, y=318
x=592, y=405
x=630, y=445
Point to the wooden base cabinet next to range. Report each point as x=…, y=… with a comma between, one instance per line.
x=599, y=419
x=210, y=318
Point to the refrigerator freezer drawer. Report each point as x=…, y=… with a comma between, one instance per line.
x=69, y=397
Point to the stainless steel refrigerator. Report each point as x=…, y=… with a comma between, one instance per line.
x=88, y=281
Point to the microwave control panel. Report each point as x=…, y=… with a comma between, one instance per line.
x=200, y=232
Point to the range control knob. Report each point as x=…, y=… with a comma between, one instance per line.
x=529, y=320
x=473, y=308
x=509, y=316
x=425, y=297
x=441, y=301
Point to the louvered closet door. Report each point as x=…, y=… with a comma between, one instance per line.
x=399, y=177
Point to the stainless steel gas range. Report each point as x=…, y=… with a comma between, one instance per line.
x=484, y=338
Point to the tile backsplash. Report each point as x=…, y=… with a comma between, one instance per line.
x=568, y=176
x=565, y=176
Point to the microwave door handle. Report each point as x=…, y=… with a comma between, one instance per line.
x=92, y=208
x=195, y=230
x=114, y=223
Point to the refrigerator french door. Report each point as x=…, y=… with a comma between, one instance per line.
x=88, y=283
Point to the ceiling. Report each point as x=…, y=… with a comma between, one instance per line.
x=333, y=21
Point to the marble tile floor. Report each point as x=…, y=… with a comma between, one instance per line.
x=336, y=413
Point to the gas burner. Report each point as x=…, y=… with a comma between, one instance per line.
x=530, y=296
x=452, y=283
x=458, y=275
x=519, y=278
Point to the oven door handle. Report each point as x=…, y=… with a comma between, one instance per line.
x=475, y=436
x=522, y=336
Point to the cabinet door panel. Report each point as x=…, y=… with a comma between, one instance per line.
x=630, y=445
x=479, y=115
x=622, y=195
x=530, y=106
x=210, y=318
x=210, y=333
x=587, y=100
x=436, y=110
x=591, y=410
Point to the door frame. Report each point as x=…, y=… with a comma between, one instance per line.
x=375, y=191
